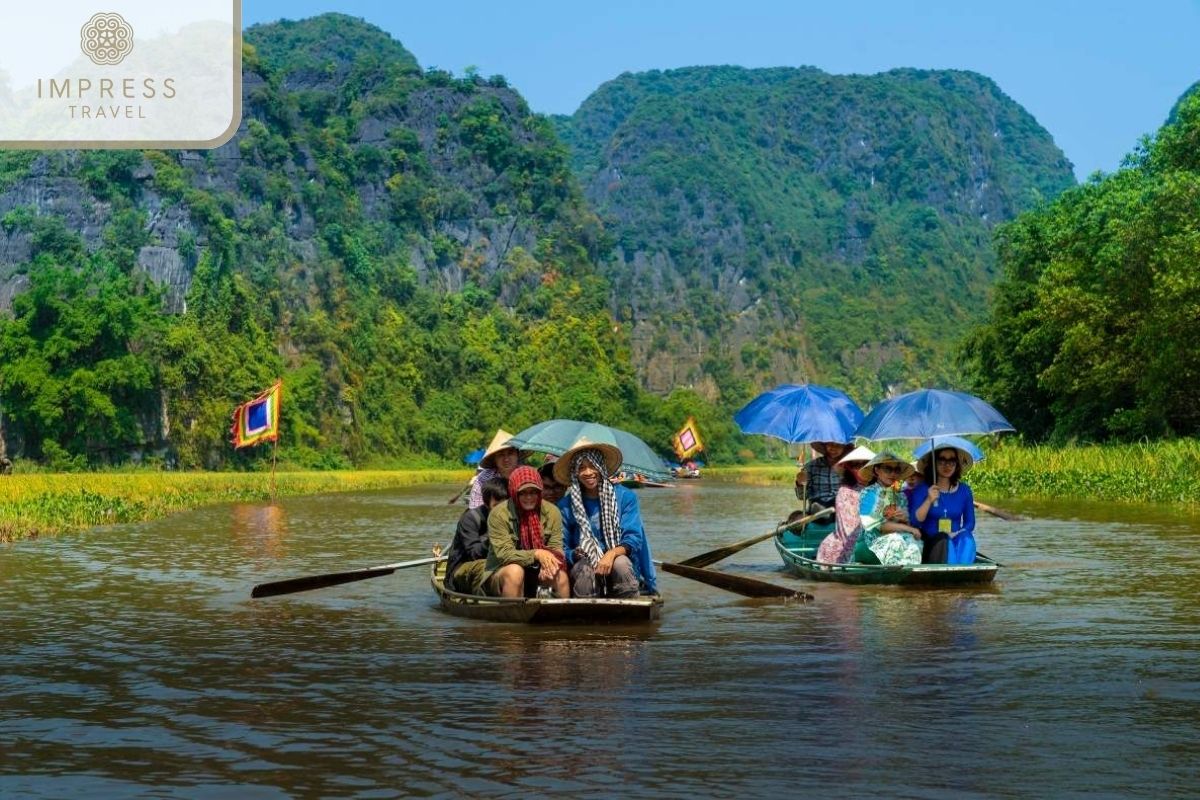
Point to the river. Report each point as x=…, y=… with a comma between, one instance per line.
x=135, y=664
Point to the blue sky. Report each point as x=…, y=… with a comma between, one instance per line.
x=1097, y=75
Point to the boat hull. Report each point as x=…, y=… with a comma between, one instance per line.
x=546, y=610
x=799, y=556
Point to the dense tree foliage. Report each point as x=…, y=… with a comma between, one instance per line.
x=408, y=250
x=1094, y=328
x=787, y=224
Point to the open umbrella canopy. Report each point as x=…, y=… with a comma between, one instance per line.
x=801, y=413
x=966, y=445
x=558, y=435
x=474, y=456
x=929, y=413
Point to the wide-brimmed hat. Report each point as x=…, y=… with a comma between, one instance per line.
x=965, y=462
x=867, y=473
x=499, y=442
x=820, y=446
x=609, y=452
x=860, y=453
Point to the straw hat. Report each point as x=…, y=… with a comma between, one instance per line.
x=610, y=453
x=499, y=442
x=860, y=453
x=965, y=462
x=867, y=473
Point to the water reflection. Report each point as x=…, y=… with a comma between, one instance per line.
x=259, y=530
x=134, y=657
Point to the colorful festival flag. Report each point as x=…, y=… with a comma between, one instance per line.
x=687, y=441
x=258, y=420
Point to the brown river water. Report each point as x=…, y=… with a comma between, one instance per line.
x=135, y=664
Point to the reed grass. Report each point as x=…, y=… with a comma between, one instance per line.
x=1153, y=472
x=39, y=504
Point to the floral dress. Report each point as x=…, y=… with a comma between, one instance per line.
x=838, y=547
x=889, y=548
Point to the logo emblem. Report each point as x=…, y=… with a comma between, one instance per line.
x=106, y=38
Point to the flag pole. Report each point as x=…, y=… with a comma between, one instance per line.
x=274, y=457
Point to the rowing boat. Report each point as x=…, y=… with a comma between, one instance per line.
x=541, y=610
x=799, y=551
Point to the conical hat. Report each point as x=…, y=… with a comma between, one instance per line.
x=499, y=442
x=609, y=452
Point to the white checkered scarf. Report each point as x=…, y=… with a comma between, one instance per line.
x=610, y=521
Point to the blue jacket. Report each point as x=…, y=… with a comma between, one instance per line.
x=633, y=533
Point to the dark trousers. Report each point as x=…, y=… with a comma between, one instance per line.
x=621, y=582
x=934, y=548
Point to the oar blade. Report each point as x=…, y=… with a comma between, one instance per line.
x=310, y=582
x=721, y=553
x=747, y=587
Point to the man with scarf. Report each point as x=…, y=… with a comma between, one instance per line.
x=604, y=538
x=525, y=542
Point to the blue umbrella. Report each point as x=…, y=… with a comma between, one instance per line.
x=927, y=413
x=558, y=435
x=801, y=413
x=966, y=445
x=475, y=456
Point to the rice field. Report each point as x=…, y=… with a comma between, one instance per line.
x=39, y=504
x=1157, y=472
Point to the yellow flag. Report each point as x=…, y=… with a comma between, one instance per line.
x=687, y=441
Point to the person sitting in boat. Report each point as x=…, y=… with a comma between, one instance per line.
x=467, y=556
x=818, y=481
x=838, y=547
x=525, y=542
x=887, y=536
x=604, y=537
x=944, y=508
x=499, y=460
x=552, y=490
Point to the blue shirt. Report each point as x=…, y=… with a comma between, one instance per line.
x=633, y=533
x=957, y=506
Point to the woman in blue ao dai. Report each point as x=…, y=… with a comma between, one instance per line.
x=944, y=508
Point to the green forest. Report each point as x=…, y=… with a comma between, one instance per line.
x=420, y=259
x=1093, y=331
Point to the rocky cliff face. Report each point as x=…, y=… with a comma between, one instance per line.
x=754, y=210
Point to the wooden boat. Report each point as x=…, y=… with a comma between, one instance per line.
x=638, y=482
x=542, y=610
x=799, y=551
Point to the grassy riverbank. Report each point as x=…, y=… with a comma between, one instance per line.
x=40, y=504
x=1161, y=472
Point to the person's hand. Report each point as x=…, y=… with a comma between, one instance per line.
x=548, y=563
x=801, y=478
x=894, y=513
x=605, y=565
x=934, y=494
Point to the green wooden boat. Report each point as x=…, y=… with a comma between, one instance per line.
x=799, y=551
x=543, y=610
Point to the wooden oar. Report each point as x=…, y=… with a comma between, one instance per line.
x=999, y=512
x=454, y=499
x=713, y=556
x=747, y=587
x=292, y=585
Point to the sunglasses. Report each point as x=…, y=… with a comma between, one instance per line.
x=887, y=468
x=947, y=460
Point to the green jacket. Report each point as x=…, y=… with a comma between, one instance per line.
x=504, y=537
